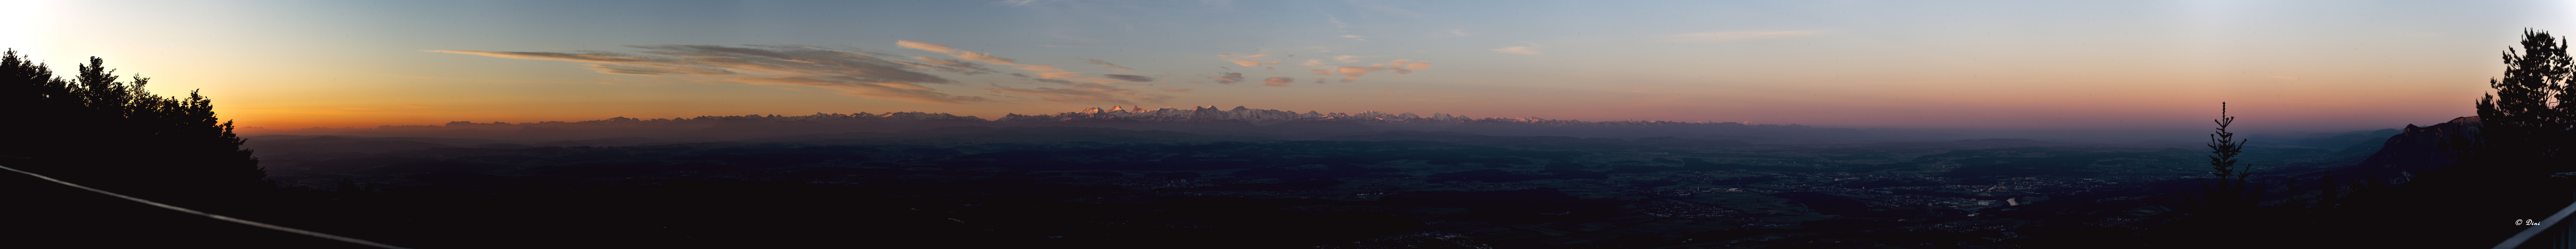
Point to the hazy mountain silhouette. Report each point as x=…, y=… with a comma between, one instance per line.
x=1240, y=121
x=2416, y=150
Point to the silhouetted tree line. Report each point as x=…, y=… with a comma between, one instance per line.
x=2510, y=159
x=102, y=130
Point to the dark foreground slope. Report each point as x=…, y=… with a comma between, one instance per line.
x=2418, y=190
x=1101, y=187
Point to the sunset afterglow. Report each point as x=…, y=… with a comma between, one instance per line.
x=2282, y=65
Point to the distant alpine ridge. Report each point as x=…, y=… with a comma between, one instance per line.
x=711, y=120
x=1239, y=113
x=1205, y=120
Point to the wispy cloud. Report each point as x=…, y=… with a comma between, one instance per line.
x=1017, y=3
x=1041, y=68
x=962, y=67
x=329, y=111
x=1735, y=35
x=1229, y=78
x=1532, y=49
x=1105, y=64
x=1353, y=73
x=1278, y=81
x=953, y=52
x=1963, y=81
x=1097, y=80
x=1247, y=60
x=1134, y=78
x=1043, y=71
x=1407, y=66
x=1049, y=71
x=1253, y=63
x=852, y=72
x=1348, y=58
x=1072, y=92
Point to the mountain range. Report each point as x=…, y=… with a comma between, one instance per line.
x=1209, y=120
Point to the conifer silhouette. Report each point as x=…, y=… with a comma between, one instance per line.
x=2231, y=191
x=2526, y=119
x=100, y=130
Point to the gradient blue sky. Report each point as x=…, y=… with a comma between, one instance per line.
x=2323, y=65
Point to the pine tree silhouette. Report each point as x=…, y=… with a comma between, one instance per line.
x=100, y=130
x=2231, y=191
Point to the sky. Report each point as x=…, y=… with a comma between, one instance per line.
x=2065, y=65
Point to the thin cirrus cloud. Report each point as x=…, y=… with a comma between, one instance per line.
x=1041, y=68
x=853, y=72
x=956, y=66
x=1278, y=81
x=1105, y=64
x=1043, y=71
x=856, y=73
x=891, y=76
x=1132, y=78
x=1735, y=35
x=1074, y=92
x=1094, y=91
x=953, y=52
x=1352, y=73
x=1049, y=71
x=1099, y=90
x=1532, y=49
x=1247, y=60
x=1229, y=78
x=1348, y=58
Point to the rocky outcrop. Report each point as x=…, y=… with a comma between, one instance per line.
x=2418, y=149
